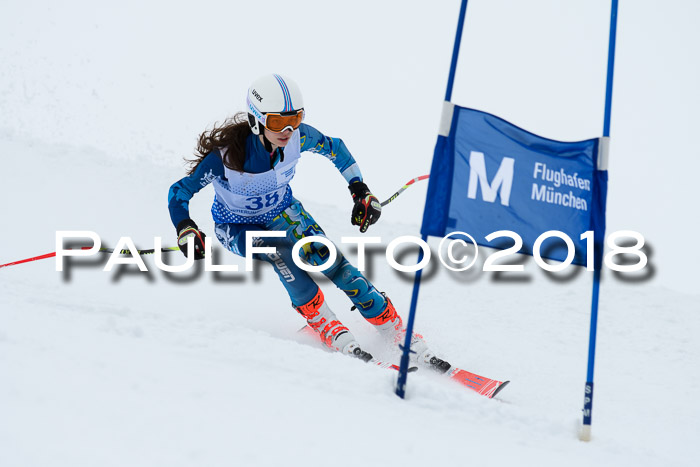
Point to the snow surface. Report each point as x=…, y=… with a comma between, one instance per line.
x=100, y=104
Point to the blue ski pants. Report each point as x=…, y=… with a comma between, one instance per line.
x=298, y=223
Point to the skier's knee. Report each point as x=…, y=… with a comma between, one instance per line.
x=317, y=254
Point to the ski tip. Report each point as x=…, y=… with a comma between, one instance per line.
x=412, y=369
x=499, y=388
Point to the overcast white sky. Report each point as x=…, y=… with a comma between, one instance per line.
x=139, y=80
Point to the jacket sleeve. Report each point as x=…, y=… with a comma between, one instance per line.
x=332, y=148
x=182, y=191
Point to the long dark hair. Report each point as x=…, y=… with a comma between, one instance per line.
x=232, y=135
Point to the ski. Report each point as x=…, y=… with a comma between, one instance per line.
x=480, y=384
x=485, y=386
x=388, y=365
x=380, y=363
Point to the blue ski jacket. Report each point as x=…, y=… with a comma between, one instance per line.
x=257, y=161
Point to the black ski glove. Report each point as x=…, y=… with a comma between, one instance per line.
x=367, y=208
x=186, y=229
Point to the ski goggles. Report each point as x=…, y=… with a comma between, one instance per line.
x=278, y=122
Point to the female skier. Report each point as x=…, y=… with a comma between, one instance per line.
x=250, y=160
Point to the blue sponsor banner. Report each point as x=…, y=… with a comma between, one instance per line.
x=488, y=175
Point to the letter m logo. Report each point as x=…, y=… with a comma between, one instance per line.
x=502, y=181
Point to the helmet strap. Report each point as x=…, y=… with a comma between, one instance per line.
x=258, y=129
x=266, y=142
x=254, y=124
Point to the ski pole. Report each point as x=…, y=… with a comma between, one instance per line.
x=141, y=252
x=35, y=258
x=102, y=250
x=403, y=188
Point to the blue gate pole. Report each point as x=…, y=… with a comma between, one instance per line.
x=598, y=242
x=403, y=367
x=455, y=50
x=611, y=68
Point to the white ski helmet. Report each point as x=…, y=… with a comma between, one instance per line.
x=278, y=95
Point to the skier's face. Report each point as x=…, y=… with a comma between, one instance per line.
x=278, y=140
